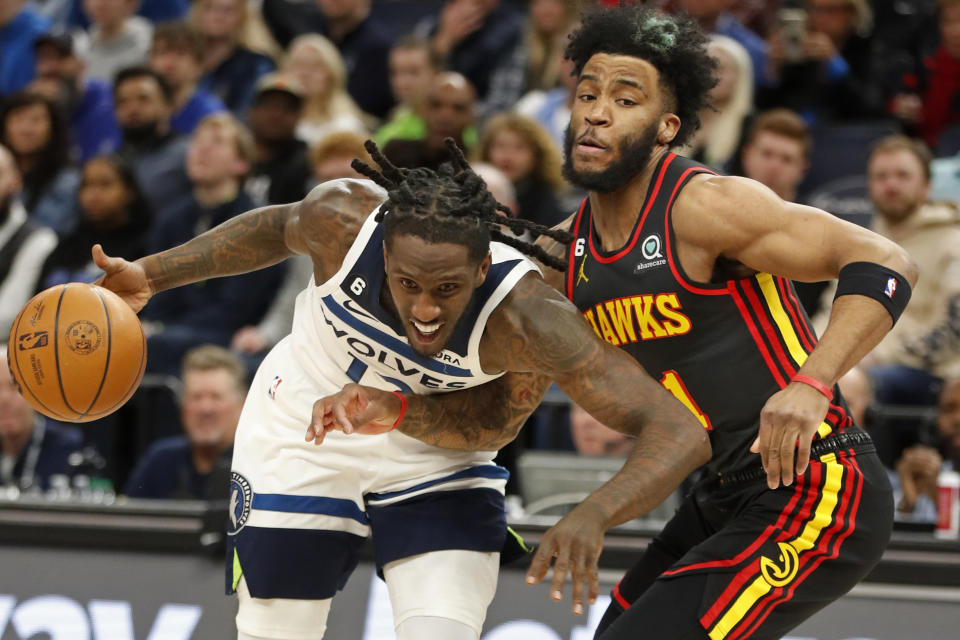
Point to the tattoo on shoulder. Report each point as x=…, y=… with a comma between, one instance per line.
x=331, y=216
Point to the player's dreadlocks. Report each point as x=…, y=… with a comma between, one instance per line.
x=450, y=205
x=672, y=44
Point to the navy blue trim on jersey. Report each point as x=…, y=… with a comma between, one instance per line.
x=309, y=504
x=302, y=564
x=369, y=267
x=468, y=519
x=394, y=344
x=459, y=342
x=482, y=471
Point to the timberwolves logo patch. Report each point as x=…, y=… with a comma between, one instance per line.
x=241, y=496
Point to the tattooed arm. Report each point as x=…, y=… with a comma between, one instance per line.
x=322, y=225
x=537, y=329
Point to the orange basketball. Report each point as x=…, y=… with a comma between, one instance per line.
x=77, y=352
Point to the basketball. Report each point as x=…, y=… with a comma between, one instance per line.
x=77, y=352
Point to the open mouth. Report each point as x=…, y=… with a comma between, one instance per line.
x=590, y=145
x=426, y=332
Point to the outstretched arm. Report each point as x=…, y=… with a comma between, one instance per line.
x=322, y=225
x=761, y=231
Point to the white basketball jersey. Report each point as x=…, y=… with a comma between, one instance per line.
x=341, y=332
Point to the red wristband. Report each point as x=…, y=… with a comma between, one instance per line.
x=403, y=409
x=816, y=384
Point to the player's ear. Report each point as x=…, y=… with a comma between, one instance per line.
x=668, y=128
x=484, y=269
x=386, y=257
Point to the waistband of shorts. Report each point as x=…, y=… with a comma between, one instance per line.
x=856, y=441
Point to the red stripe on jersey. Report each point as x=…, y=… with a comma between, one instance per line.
x=619, y=598
x=571, y=263
x=786, y=295
x=814, y=557
x=636, y=232
x=752, y=327
x=689, y=286
x=773, y=337
x=749, y=571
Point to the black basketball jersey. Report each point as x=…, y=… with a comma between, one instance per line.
x=722, y=348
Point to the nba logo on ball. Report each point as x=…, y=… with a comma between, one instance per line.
x=241, y=497
x=891, y=287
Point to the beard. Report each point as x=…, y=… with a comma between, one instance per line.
x=633, y=155
x=138, y=134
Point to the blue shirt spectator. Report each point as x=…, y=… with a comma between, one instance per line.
x=197, y=465
x=155, y=11
x=200, y=105
x=234, y=79
x=87, y=103
x=17, y=35
x=32, y=448
x=167, y=471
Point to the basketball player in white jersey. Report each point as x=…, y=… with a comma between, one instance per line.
x=409, y=295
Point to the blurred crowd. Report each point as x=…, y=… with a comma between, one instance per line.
x=139, y=124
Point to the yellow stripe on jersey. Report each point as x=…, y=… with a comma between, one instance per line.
x=823, y=515
x=787, y=330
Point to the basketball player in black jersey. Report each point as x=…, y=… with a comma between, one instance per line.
x=690, y=272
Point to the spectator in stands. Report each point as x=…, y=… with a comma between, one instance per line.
x=317, y=64
x=19, y=29
x=503, y=191
x=551, y=108
x=86, y=102
x=412, y=67
x=931, y=97
x=118, y=38
x=483, y=40
x=177, y=54
x=545, y=37
x=32, y=448
x=834, y=73
x=945, y=179
x=281, y=170
x=362, y=40
x=523, y=150
x=24, y=245
x=113, y=213
x=235, y=41
x=919, y=466
x=219, y=156
x=449, y=109
x=331, y=157
x=144, y=103
x=196, y=465
x=731, y=103
x=714, y=16
x=593, y=438
x=33, y=129
x=776, y=151
x=899, y=181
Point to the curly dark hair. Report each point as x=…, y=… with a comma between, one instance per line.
x=450, y=205
x=673, y=44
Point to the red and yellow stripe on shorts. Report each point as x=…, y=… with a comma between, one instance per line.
x=828, y=496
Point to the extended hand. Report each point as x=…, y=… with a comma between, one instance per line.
x=575, y=542
x=126, y=279
x=353, y=409
x=788, y=420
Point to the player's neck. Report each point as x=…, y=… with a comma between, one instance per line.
x=615, y=212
